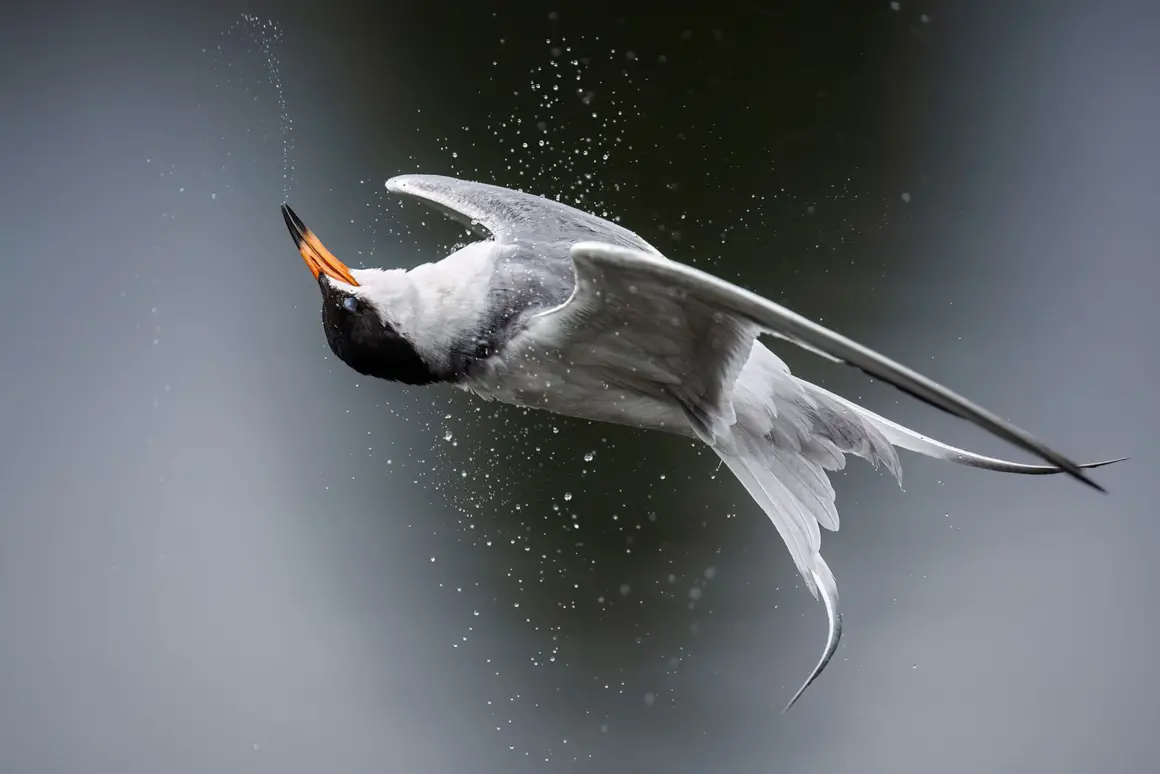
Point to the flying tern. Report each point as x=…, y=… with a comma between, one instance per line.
x=557, y=309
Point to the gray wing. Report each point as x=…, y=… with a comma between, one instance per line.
x=513, y=216
x=601, y=267
x=692, y=336
x=533, y=269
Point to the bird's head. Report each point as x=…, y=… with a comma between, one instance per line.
x=357, y=316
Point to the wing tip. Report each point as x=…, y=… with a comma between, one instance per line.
x=1092, y=466
x=1098, y=487
x=1102, y=463
x=399, y=182
x=1076, y=471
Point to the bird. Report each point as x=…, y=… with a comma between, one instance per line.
x=558, y=309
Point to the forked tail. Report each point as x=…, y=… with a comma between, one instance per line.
x=788, y=434
x=828, y=589
x=775, y=498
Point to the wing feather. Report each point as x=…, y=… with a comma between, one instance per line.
x=513, y=216
x=598, y=264
x=778, y=435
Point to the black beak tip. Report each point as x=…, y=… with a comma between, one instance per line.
x=294, y=224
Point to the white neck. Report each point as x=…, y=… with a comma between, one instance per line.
x=434, y=305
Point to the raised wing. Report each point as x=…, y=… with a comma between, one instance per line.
x=603, y=268
x=513, y=216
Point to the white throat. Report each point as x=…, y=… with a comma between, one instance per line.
x=435, y=305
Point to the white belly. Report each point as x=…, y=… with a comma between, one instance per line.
x=534, y=378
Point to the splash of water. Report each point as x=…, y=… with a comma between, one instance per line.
x=262, y=37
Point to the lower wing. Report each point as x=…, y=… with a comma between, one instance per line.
x=597, y=263
x=785, y=433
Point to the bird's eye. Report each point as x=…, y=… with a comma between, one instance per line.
x=350, y=304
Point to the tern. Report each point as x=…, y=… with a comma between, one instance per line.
x=558, y=309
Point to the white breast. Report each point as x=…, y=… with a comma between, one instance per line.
x=533, y=374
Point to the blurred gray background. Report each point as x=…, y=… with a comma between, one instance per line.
x=220, y=550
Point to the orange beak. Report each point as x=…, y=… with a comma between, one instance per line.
x=318, y=259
